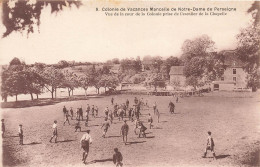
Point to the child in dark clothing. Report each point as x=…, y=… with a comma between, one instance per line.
x=93, y=111
x=21, y=134
x=77, y=126
x=3, y=128
x=117, y=158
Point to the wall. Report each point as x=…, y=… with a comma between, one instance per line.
x=179, y=78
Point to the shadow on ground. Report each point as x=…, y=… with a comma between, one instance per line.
x=222, y=156
x=33, y=143
x=135, y=142
x=64, y=141
x=99, y=160
x=112, y=136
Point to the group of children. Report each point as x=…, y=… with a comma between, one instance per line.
x=121, y=111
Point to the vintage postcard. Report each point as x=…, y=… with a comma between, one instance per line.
x=129, y=83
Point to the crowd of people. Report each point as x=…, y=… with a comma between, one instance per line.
x=122, y=112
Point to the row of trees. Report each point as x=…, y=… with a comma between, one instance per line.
x=20, y=78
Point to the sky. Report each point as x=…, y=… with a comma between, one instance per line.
x=85, y=35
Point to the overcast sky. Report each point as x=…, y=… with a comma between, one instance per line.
x=86, y=35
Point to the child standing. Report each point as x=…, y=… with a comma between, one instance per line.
x=20, y=134
x=54, y=132
x=87, y=118
x=158, y=114
x=71, y=113
x=154, y=107
x=124, y=131
x=3, y=127
x=150, y=120
x=93, y=111
x=96, y=109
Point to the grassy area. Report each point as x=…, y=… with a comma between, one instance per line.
x=177, y=140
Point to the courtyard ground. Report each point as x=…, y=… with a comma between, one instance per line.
x=177, y=140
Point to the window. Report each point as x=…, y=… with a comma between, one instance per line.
x=234, y=79
x=222, y=78
x=234, y=71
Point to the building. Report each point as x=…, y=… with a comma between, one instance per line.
x=234, y=76
x=177, y=77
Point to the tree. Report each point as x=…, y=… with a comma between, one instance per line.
x=192, y=81
x=34, y=82
x=115, y=61
x=53, y=79
x=15, y=61
x=85, y=81
x=63, y=64
x=71, y=81
x=201, y=63
x=13, y=79
x=106, y=69
x=23, y=16
x=255, y=11
x=248, y=49
x=138, y=64
x=95, y=77
x=155, y=80
x=156, y=64
x=97, y=82
x=199, y=46
x=131, y=65
x=13, y=83
x=109, y=81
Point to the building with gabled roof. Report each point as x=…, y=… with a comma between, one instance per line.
x=234, y=76
x=177, y=76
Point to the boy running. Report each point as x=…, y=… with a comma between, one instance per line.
x=106, y=125
x=106, y=111
x=66, y=118
x=142, y=130
x=84, y=142
x=210, y=146
x=78, y=126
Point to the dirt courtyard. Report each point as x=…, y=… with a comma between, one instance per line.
x=177, y=140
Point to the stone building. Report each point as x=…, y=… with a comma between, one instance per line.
x=234, y=76
x=177, y=77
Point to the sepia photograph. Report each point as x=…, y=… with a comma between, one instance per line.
x=129, y=83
